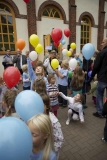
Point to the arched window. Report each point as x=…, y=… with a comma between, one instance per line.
x=51, y=12
x=7, y=28
x=85, y=31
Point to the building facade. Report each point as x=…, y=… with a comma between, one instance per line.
x=86, y=19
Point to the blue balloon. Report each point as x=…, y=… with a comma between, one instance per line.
x=28, y=104
x=89, y=73
x=88, y=50
x=16, y=139
x=62, y=38
x=63, y=41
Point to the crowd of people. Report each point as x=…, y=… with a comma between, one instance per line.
x=52, y=85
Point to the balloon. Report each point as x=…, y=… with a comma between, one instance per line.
x=39, y=48
x=73, y=63
x=60, y=45
x=20, y=44
x=62, y=38
x=11, y=76
x=26, y=1
x=68, y=53
x=89, y=73
x=16, y=141
x=56, y=44
x=70, y=74
x=88, y=50
x=63, y=41
x=34, y=40
x=54, y=63
x=64, y=52
x=28, y=104
x=33, y=55
x=73, y=45
x=56, y=34
x=67, y=32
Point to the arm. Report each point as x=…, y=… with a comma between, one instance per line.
x=26, y=80
x=30, y=70
x=46, y=81
x=15, y=59
x=65, y=97
x=81, y=113
x=46, y=62
x=59, y=74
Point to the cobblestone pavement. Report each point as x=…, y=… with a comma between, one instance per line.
x=83, y=141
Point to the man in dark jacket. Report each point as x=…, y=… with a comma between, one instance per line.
x=100, y=68
x=7, y=60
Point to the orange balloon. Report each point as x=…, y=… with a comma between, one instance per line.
x=20, y=44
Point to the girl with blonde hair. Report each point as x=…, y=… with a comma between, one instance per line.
x=42, y=134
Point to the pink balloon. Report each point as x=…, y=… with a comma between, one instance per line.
x=56, y=34
x=67, y=32
x=26, y=1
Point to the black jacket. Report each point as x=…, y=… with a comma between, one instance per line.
x=100, y=66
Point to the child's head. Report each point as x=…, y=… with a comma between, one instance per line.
x=42, y=134
x=39, y=63
x=25, y=68
x=46, y=101
x=65, y=64
x=8, y=101
x=51, y=79
x=78, y=63
x=39, y=70
x=78, y=98
x=39, y=85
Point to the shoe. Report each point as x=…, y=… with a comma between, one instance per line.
x=104, y=140
x=96, y=114
x=85, y=107
x=67, y=122
x=60, y=104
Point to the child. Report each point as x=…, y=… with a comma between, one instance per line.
x=41, y=130
x=63, y=81
x=39, y=85
x=8, y=103
x=39, y=71
x=74, y=107
x=26, y=80
x=79, y=60
x=93, y=89
x=57, y=132
x=77, y=81
x=53, y=93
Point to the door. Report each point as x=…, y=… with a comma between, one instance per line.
x=47, y=39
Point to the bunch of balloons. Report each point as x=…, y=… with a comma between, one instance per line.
x=34, y=41
x=65, y=52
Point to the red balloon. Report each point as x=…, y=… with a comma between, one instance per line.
x=56, y=44
x=26, y=1
x=11, y=76
x=67, y=32
x=56, y=34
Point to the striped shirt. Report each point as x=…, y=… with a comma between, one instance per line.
x=52, y=89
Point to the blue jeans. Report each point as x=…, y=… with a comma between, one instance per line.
x=101, y=86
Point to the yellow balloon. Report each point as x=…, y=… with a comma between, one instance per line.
x=69, y=53
x=39, y=48
x=73, y=45
x=34, y=40
x=60, y=44
x=54, y=63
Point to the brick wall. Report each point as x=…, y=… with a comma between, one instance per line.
x=31, y=16
x=101, y=18
x=72, y=20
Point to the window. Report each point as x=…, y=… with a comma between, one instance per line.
x=51, y=12
x=7, y=28
x=85, y=31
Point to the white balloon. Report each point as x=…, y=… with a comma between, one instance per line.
x=73, y=63
x=33, y=55
x=64, y=51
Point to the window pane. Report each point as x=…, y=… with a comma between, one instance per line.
x=53, y=10
x=84, y=28
x=57, y=15
x=85, y=41
x=6, y=46
x=87, y=28
x=10, y=29
x=12, y=47
x=5, y=38
x=81, y=27
x=81, y=34
x=4, y=28
x=3, y=19
x=11, y=38
x=0, y=29
x=85, y=34
x=0, y=37
x=9, y=19
x=45, y=13
x=81, y=41
x=49, y=9
x=1, y=47
x=4, y=8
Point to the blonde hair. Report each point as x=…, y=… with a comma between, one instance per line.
x=25, y=68
x=39, y=85
x=65, y=64
x=43, y=123
x=78, y=76
x=9, y=98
